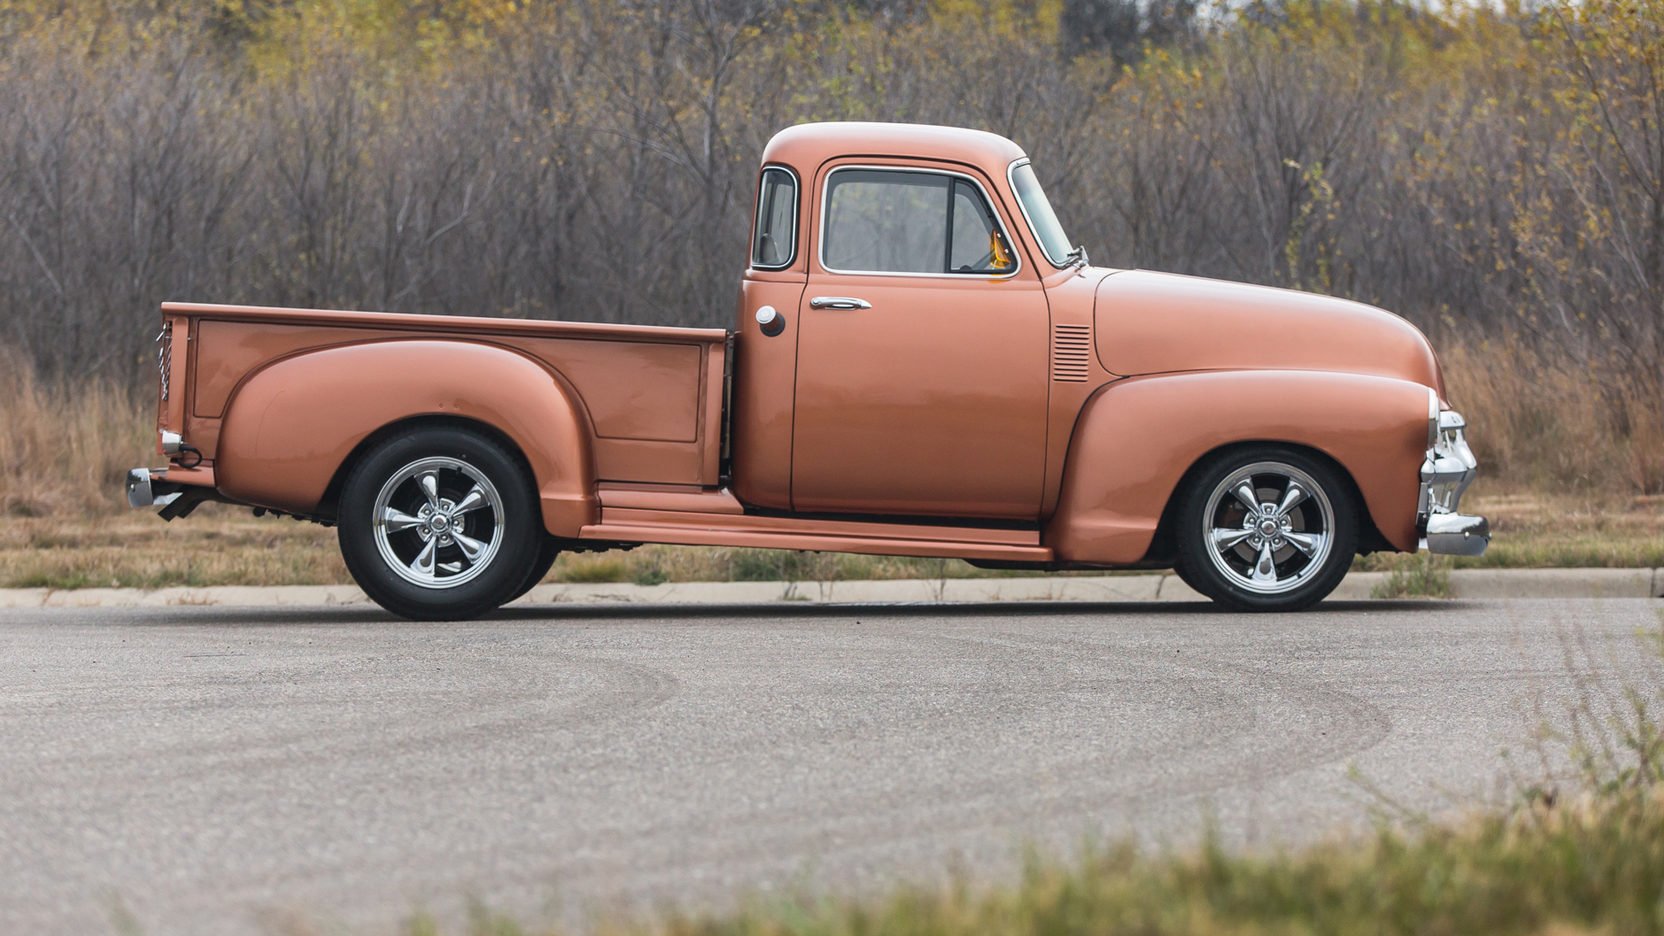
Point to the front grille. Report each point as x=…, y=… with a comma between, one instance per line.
x=164, y=356
x=1071, y=352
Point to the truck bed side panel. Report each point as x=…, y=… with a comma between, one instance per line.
x=644, y=390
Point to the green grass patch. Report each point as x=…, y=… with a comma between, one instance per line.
x=1419, y=576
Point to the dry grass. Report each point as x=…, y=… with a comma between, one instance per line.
x=65, y=449
x=216, y=546
x=220, y=545
x=1536, y=530
x=1559, y=425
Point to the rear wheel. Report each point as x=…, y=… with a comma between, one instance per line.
x=548, y=552
x=440, y=524
x=1267, y=528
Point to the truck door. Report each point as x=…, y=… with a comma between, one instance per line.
x=922, y=358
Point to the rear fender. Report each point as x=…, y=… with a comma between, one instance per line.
x=291, y=426
x=1136, y=439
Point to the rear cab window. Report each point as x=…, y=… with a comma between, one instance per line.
x=774, y=244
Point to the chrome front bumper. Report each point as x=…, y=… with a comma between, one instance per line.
x=1445, y=474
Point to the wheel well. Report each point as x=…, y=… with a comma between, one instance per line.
x=1163, y=548
x=332, y=493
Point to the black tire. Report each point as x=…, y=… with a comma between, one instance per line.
x=546, y=556
x=466, y=467
x=1184, y=576
x=1323, y=520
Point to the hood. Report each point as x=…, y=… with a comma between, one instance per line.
x=1151, y=323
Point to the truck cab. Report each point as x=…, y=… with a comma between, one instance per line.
x=916, y=329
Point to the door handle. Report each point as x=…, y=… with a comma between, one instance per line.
x=838, y=302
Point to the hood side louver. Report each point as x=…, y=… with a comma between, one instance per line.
x=1071, y=349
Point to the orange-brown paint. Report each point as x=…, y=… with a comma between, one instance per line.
x=1136, y=439
x=292, y=426
x=1044, y=416
x=1155, y=323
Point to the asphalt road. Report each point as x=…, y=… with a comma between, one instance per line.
x=213, y=771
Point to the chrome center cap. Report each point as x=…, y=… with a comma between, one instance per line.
x=1268, y=527
x=440, y=522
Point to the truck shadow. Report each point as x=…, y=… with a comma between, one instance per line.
x=366, y=614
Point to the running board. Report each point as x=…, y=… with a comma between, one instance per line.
x=690, y=536
x=636, y=524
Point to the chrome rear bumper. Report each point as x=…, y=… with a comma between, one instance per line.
x=1446, y=473
x=140, y=493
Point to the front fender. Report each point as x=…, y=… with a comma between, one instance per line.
x=291, y=426
x=1136, y=438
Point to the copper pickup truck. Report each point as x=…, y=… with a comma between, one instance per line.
x=921, y=365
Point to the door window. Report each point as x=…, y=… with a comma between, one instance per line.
x=908, y=221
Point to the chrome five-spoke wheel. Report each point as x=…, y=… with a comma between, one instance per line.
x=1266, y=528
x=438, y=522
x=442, y=523
x=1270, y=526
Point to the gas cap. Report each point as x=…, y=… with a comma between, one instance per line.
x=770, y=321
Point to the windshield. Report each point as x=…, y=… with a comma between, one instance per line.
x=1040, y=216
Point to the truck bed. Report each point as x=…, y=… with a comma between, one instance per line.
x=653, y=395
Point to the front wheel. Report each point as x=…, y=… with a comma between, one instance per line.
x=439, y=524
x=1267, y=528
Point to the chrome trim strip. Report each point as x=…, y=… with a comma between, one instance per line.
x=1011, y=183
x=757, y=222
x=993, y=206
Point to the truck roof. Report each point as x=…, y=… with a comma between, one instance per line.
x=807, y=146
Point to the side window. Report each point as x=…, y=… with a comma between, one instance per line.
x=897, y=221
x=886, y=222
x=775, y=243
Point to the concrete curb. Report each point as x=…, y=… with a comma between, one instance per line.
x=1482, y=584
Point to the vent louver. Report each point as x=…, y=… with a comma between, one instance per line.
x=1071, y=348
